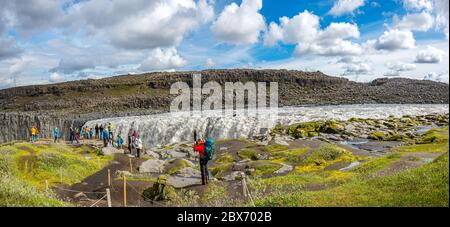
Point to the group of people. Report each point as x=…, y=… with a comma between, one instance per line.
x=205, y=147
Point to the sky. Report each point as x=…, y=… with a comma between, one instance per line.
x=52, y=41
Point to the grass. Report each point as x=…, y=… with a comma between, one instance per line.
x=427, y=185
x=25, y=167
x=289, y=156
x=325, y=155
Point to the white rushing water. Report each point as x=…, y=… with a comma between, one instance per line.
x=162, y=129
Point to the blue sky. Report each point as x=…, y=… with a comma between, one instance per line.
x=51, y=41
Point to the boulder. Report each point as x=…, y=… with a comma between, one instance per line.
x=235, y=175
x=182, y=182
x=285, y=168
x=188, y=172
x=152, y=166
x=152, y=154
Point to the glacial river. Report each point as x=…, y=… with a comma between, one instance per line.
x=162, y=129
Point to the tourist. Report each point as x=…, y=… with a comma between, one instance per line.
x=110, y=130
x=100, y=129
x=91, y=133
x=138, y=145
x=119, y=142
x=130, y=141
x=55, y=134
x=73, y=135
x=83, y=132
x=96, y=132
x=105, y=137
x=34, y=133
x=199, y=146
x=86, y=129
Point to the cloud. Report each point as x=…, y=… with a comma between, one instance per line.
x=240, y=24
x=357, y=69
x=209, y=63
x=442, y=11
x=56, y=77
x=414, y=22
x=30, y=18
x=430, y=55
x=395, y=39
x=162, y=59
x=304, y=30
x=435, y=76
x=418, y=5
x=140, y=24
x=8, y=48
x=396, y=68
x=342, y=7
x=74, y=64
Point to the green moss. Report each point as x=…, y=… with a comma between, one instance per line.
x=375, y=164
x=275, y=147
x=263, y=167
x=247, y=153
x=28, y=166
x=224, y=158
x=289, y=156
x=178, y=165
x=279, y=129
x=423, y=186
x=325, y=155
x=378, y=135
x=434, y=136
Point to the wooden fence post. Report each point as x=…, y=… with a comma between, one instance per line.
x=108, y=197
x=46, y=186
x=124, y=191
x=109, y=178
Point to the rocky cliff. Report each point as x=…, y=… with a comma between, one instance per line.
x=79, y=101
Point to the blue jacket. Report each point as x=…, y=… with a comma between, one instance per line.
x=55, y=132
x=105, y=134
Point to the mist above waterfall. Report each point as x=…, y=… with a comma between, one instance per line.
x=162, y=129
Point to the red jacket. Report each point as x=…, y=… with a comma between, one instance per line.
x=200, y=147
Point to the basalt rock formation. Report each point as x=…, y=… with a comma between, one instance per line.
x=78, y=101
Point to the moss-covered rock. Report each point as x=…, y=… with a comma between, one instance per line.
x=378, y=135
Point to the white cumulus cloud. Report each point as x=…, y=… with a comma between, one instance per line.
x=304, y=30
x=342, y=7
x=395, y=39
x=418, y=5
x=430, y=55
x=240, y=24
x=162, y=59
x=415, y=22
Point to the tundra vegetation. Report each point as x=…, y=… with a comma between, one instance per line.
x=360, y=162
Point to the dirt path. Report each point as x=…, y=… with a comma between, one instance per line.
x=94, y=186
x=407, y=161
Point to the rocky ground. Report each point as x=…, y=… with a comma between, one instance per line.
x=321, y=155
x=311, y=161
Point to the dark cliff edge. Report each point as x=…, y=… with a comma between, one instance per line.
x=78, y=101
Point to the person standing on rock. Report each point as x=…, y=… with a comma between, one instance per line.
x=91, y=133
x=97, y=136
x=73, y=135
x=199, y=146
x=138, y=145
x=130, y=141
x=55, y=134
x=111, y=135
x=34, y=132
x=119, y=142
x=100, y=129
x=105, y=137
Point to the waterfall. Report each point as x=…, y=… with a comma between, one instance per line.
x=163, y=129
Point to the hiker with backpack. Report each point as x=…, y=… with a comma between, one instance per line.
x=206, y=150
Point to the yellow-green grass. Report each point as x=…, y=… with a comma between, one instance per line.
x=427, y=185
x=25, y=167
x=291, y=156
x=325, y=155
